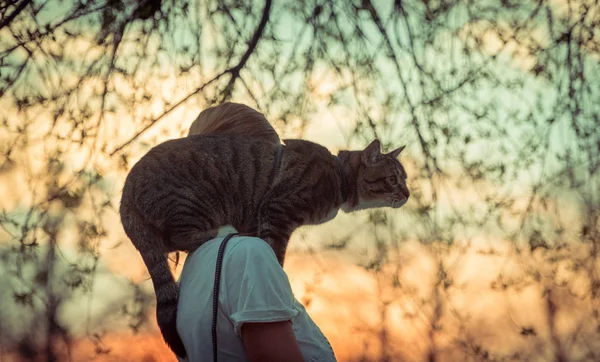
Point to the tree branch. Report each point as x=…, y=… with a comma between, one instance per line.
x=14, y=14
x=148, y=126
x=424, y=145
x=234, y=71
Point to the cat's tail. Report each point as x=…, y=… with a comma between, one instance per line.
x=167, y=295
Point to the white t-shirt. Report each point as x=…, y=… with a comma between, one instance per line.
x=254, y=288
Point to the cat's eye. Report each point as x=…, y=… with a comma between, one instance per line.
x=392, y=180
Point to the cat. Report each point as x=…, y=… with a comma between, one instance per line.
x=177, y=196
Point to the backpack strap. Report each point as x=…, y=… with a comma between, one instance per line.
x=217, y=286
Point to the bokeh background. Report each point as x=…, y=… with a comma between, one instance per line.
x=494, y=257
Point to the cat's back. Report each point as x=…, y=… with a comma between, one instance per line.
x=224, y=161
x=201, y=151
x=223, y=176
x=210, y=146
x=306, y=152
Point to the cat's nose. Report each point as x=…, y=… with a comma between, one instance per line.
x=405, y=193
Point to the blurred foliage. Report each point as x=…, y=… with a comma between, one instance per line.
x=497, y=100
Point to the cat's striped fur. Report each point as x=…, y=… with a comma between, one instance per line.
x=178, y=195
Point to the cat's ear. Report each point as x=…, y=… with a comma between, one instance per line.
x=395, y=153
x=371, y=153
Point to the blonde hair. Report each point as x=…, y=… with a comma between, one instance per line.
x=234, y=118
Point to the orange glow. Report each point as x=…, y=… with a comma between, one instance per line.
x=366, y=317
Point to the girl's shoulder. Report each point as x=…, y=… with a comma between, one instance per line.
x=241, y=249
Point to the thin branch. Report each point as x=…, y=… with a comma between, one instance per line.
x=14, y=14
x=38, y=35
x=447, y=92
x=250, y=93
x=117, y=38
x=140, y=132
x=392, y=54
x=235, y=71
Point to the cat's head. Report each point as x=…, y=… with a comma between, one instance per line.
x=381, y=179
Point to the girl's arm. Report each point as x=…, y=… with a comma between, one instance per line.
x=273, y=341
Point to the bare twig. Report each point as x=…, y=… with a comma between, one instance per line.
x=7, y=20
x=234, y=71
x=148, y=126
x=412, y=107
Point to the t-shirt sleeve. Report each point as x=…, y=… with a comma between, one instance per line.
x=257, y=288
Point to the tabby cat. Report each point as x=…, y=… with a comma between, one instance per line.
x=177, y=196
